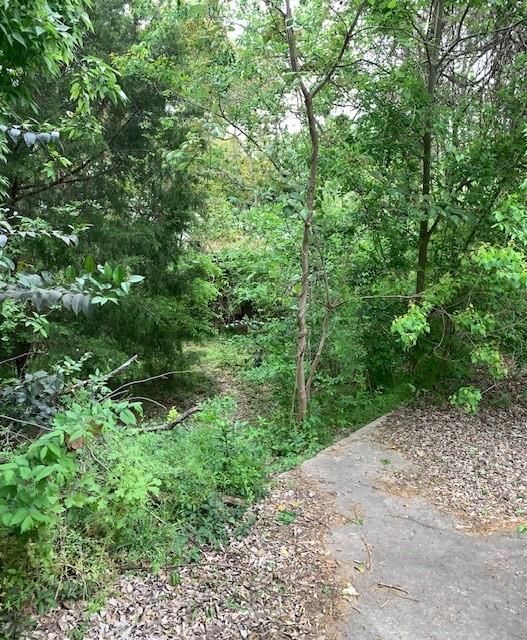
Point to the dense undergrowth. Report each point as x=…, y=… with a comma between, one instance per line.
x=139, y=499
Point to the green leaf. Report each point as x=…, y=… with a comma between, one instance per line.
x=18, y=516
x=44, y=473
x=70, y=272
x=25, y=473
x=89, y=264
x=127, y=417
x=19, y=38
x=27, y=524
x=108, y=272
x=118, y=275
x=38, y=516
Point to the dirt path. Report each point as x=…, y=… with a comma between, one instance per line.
x=418, y=574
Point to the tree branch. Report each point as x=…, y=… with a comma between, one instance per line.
x=174, y=423
x=345, y=44
x=67, y=177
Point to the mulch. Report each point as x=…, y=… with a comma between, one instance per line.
x=475, y=466
x=278, y=582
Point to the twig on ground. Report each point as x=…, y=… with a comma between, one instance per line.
x=392, y=586
x=368, y=549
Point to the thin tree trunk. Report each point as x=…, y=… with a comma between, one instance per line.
x=432, y=52
x=303, y=386
x=302, y=390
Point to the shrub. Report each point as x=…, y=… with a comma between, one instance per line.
x=95, y=493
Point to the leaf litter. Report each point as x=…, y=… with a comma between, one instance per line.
x=277, y=582
x=474, y=465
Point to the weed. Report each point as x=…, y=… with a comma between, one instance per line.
x=286, y=517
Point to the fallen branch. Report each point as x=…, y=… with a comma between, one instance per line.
x=392, y=586
x=123, y=366
x=31, y=424
x=170, y=425
x=107, y=376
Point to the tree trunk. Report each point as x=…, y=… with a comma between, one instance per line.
x=302, y=390
x=432, y=53
x=303, y=385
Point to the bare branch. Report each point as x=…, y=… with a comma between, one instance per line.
x=174, y=423
x=345, y=44
x=221, y=114
x=67, y=177
x=32, y=424
x=149, y=379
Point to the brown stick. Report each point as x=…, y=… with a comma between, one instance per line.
x=111, y=374
x=368, y=550
x=170, y=425
x=391, y=586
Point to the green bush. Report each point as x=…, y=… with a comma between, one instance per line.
x=95, y=493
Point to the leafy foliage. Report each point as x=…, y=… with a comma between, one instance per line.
x=170, y=140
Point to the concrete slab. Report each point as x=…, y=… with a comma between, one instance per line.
x=455, y=586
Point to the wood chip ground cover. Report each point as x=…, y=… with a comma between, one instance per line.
x=277, y=582
x=473, y=465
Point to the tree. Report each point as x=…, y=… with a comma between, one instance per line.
x=28, y=280
x=113, y=170
x=277, y=56
x=36, y=38
x=318, y=83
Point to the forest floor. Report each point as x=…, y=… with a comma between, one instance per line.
x=278, y=581
x=356, y=544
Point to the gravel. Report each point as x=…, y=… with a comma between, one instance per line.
x=475, y=466
x=278, y=582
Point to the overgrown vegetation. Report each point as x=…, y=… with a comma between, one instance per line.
x=293, y=215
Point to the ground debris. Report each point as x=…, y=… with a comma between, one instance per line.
x=473, y=465
x=277, y=582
